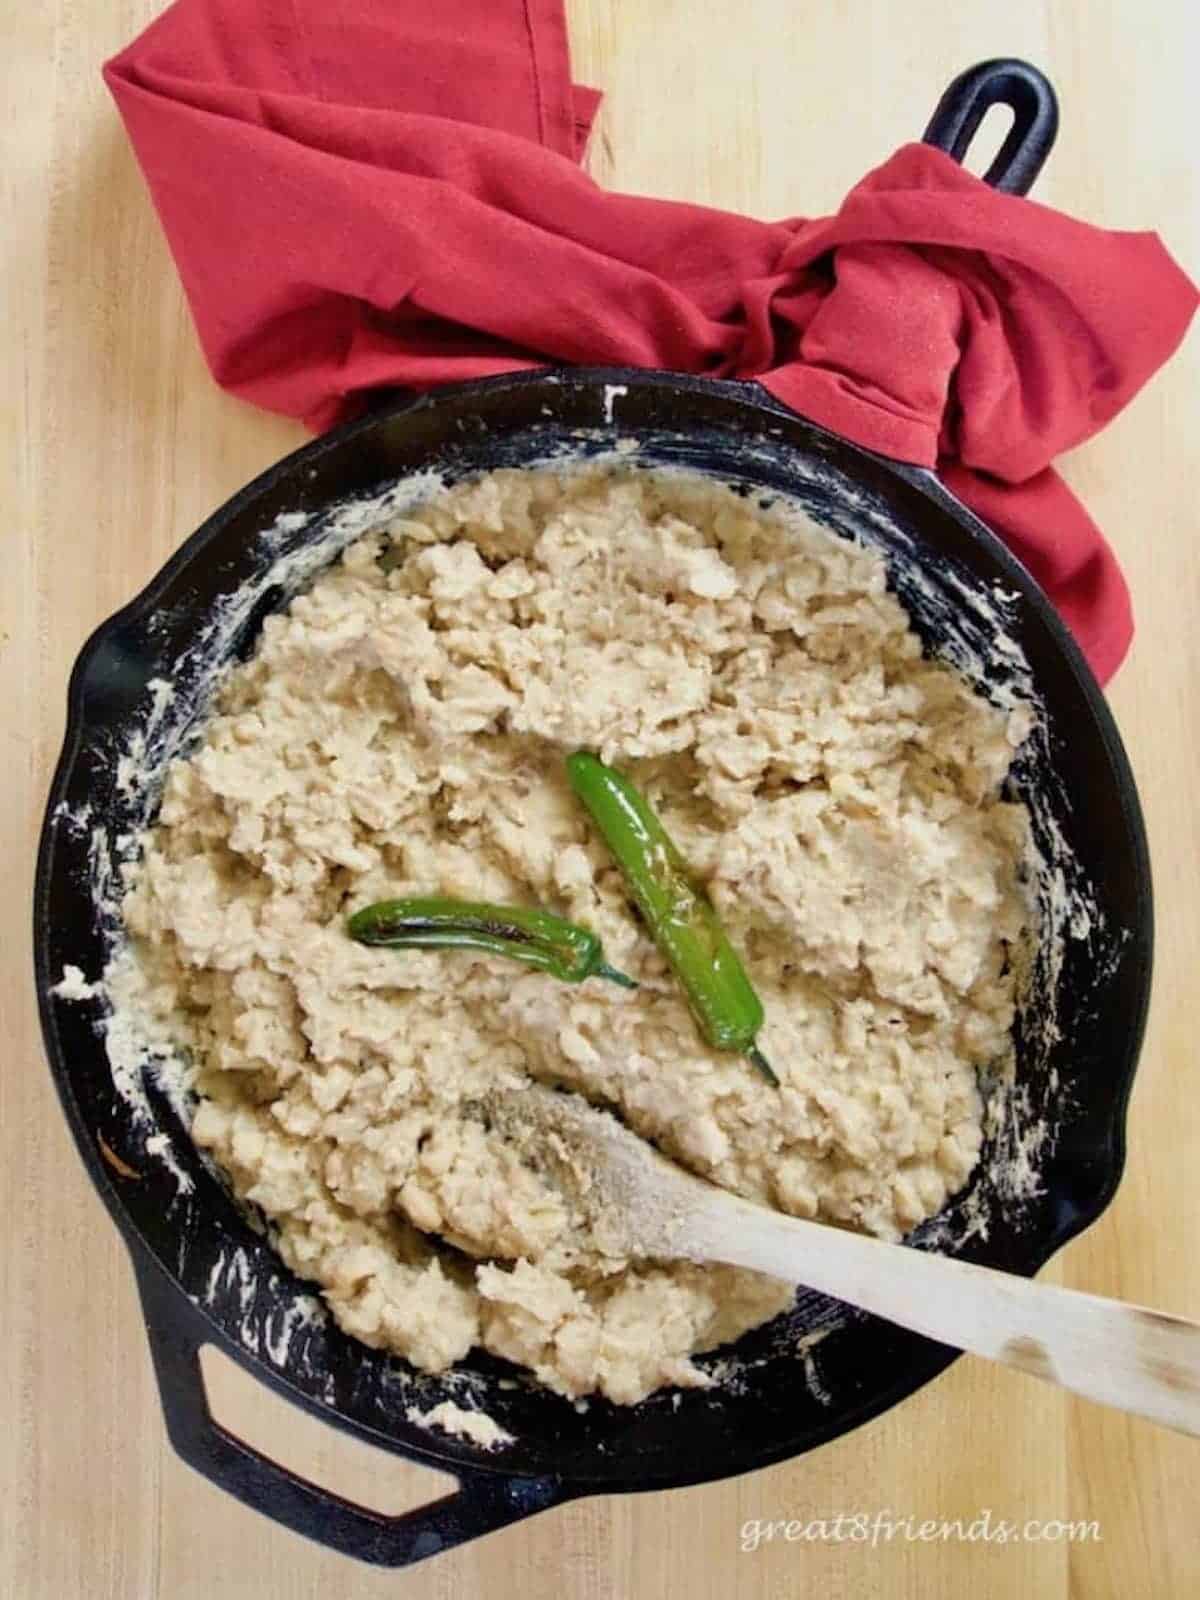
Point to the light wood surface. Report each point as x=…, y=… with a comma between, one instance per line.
x=116, y=444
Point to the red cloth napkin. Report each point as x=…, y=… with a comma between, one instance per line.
x=387, y=192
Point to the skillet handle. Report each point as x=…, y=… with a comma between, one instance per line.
x=1035, y=119
x=485, y=1500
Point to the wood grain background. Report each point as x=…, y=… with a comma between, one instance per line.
x=116, y=444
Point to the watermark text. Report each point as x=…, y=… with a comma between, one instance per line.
x=875, y=1528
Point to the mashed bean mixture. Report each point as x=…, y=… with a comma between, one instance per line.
x=402, y=730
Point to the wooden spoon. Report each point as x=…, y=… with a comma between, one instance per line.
x=635, y=1202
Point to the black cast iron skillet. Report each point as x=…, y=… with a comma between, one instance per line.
x=206, y=1275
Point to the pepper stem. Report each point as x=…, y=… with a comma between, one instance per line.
x=755, y=1055
x=613, y=976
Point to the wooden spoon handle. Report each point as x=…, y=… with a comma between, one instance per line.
x=1140, y=1361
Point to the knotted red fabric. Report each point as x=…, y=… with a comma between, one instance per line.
x=388, y=192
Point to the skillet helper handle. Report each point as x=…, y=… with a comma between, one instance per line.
x=485, y=1501
x=1035, y=120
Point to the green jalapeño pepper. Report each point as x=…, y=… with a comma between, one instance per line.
x=535, y=937
x=678, y=914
